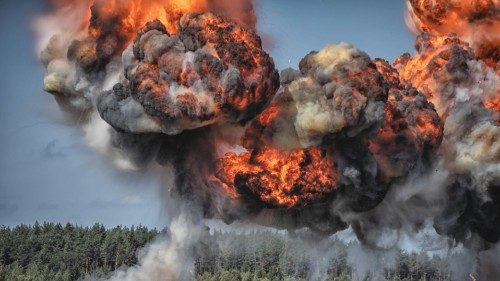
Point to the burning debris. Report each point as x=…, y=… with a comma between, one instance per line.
x=345, y=141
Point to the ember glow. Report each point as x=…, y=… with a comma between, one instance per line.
x=344, y=140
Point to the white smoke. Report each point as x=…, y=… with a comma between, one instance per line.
x=168, y=258
x=325, y=100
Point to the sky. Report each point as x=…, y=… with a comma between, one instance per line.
x=48, y=173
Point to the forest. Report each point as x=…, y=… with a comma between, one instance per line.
x=52, y=251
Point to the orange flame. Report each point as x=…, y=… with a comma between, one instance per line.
x=421, y=71
x=129, y=16
x=493, y=103
x=406, y=130
x=132, y=15
x=277, y=177
x=476, y=22
x=280, y=178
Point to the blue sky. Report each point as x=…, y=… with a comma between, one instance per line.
x=47, y=173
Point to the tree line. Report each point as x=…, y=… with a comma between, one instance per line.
x=52, y=251
x=269, y=256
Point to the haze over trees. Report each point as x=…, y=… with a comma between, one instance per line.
x=51, y=251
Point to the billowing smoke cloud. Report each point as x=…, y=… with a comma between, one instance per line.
x=338, y=92
x=346, y=141
x=476, y=22
x=87, y=55
x=211, y=71
x=322, y=174
x=82, y=55
x=460, y=85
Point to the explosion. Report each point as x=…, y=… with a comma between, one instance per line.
x=343, y=141
x=411, y=127
x=211, y=71
x=85, y=58
x=462, y=87
x=459, y=73
x=278, y=178
x=340, y=123
x=446, y=70
x=477, y=22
